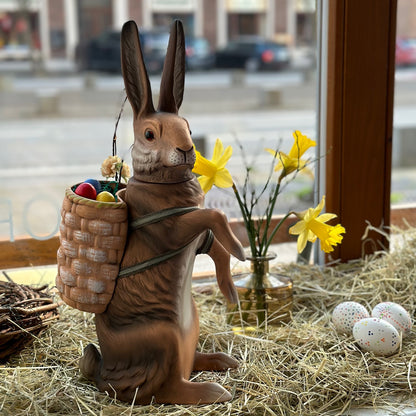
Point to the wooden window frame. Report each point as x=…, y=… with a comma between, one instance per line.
x=359, y=119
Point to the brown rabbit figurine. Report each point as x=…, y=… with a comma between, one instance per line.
x=149, y=332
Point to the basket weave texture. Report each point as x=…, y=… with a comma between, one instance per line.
x=92, y=240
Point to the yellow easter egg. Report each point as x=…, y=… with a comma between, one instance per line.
x=105, y=196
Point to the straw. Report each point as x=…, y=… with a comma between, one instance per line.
x=301, y=368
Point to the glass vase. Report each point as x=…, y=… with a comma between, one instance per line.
x=265, y=298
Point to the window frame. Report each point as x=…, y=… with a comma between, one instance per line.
x=359, y=120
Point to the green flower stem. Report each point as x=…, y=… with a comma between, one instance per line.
x=253, y=227
x=275, y=230
x=269, y=214
x=259, y=271
x=248, y=222
x=258, y=230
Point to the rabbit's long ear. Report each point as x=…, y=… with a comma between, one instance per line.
x=173, y=76
x=136, y=80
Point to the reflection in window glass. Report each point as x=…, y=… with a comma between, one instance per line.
x=404, y=127
x=58, y=114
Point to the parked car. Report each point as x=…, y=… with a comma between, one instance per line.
x=100, y=54
x=406, y=52
x=253, y=53
x=198, y=54
x=154, y=44
x=103, y=52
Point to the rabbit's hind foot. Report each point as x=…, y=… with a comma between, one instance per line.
x=213, y=362
x=89, y=362
x=188, y=392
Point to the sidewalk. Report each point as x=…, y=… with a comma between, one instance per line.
x=51, y=67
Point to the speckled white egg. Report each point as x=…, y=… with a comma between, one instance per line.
x=376, y=335
x=394, y=314
x=346, y=314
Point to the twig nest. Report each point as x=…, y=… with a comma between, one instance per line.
x=24, y=313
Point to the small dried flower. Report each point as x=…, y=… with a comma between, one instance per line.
x=111, y=167
x=108, y=167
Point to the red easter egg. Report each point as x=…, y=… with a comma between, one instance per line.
x=86, y=190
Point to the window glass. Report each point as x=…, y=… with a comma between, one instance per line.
x=404, y=127
x=59, y=108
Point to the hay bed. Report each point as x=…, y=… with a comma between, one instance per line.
x=304, y=368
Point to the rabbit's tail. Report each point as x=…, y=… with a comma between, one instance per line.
x=89, y=363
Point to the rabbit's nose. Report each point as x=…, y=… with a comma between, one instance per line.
x=186, y=157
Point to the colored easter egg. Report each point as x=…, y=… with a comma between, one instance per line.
x=376, y=335
x=395, y=314
x=95, y=183
x=105, y=196
x=346, y=314
x=86, y=190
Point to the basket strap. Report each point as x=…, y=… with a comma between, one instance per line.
x=159, y=216
x=156, y=217
x=147, y=264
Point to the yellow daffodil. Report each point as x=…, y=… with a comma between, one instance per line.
x=312, y=226
x=292, y=162
x=213, y=172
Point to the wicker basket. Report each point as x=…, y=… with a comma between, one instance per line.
x=24, y=313
x=93, y=235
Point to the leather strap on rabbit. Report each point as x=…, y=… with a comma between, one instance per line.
x=159, y=216
x=144, y=265
x=156, y=217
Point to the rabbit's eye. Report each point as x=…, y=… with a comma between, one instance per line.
x=149, y=134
